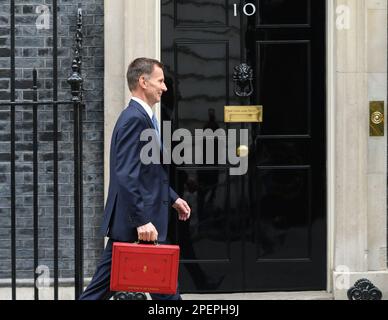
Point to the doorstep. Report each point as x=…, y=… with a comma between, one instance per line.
x=298, y=295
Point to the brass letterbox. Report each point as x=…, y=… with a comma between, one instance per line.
x=243, y=113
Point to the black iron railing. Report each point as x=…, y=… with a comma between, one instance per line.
x=76, y=83
x=77, y=105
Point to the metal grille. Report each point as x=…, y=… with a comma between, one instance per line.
x=75, y=106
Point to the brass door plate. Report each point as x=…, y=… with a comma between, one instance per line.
x=376, y=118
x=243, y=114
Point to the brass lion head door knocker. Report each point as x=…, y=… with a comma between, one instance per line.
x=243, y=88
x=243, y=80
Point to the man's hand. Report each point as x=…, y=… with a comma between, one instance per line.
x=147, y=232
x=183, y=209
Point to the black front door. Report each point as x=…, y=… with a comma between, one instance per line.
x=266, y=229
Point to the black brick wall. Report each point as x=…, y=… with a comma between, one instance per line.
x=34, y=49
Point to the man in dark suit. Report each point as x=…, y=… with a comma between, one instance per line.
x=139, y=195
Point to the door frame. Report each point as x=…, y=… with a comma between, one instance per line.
x=330, y=139
x=122, y=18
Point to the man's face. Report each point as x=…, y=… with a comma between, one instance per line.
x=155, y=86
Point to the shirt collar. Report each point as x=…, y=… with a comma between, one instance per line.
x=145, y=106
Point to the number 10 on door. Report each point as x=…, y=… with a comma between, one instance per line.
x=249, y=9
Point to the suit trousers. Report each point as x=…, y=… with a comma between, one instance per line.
x=99, y=287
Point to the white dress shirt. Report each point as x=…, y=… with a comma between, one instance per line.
x=145, y=106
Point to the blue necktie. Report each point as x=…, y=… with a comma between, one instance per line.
x=156, y=126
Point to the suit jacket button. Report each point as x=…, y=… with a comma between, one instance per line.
x=165, y=202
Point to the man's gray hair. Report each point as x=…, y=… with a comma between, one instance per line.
x=139, y=67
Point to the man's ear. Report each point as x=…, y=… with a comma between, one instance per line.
x=142, y=82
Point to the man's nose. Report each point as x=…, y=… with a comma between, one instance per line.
x=164, y=88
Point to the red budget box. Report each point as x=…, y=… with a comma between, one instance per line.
x=144, y=268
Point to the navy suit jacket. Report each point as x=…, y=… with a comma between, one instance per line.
x=138, y=193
